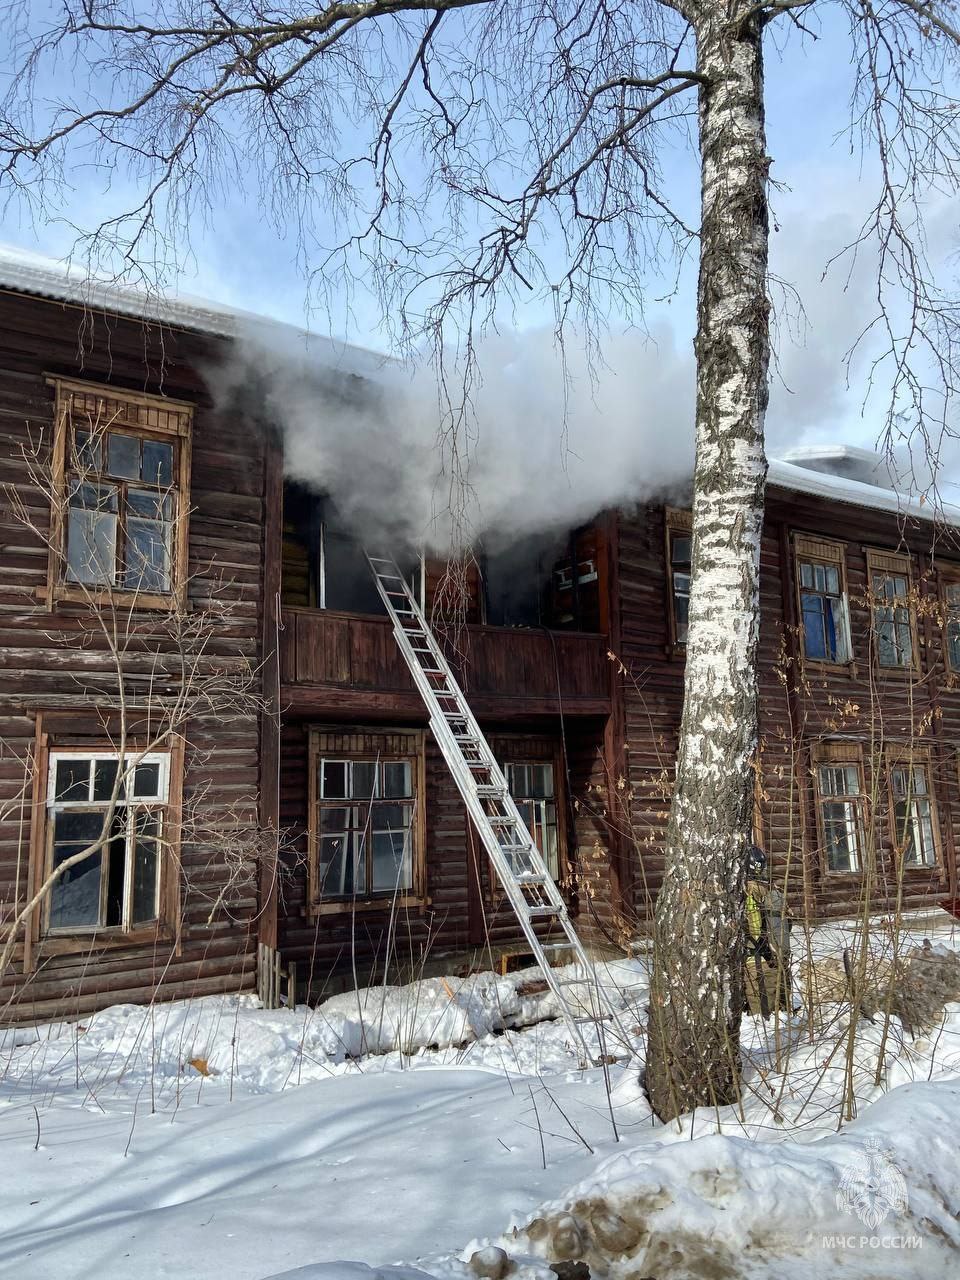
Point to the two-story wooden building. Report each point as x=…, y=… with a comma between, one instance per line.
x=213, y=759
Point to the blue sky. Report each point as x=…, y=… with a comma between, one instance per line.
x=240, y=258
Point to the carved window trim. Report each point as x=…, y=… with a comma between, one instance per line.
x=99, y=407
x=365, y=743
x=826, y=552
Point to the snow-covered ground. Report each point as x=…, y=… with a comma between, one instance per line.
x=214, y=1138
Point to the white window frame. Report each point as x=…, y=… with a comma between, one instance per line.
x=539, y=805
x=157, y=802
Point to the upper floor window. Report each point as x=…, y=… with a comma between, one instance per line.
x=531, y=784
x=821, y=585
x=914, y=817
x=838, y=777
x=121, y=476
x=893, y=617
x=951, y=623
x=365, y=840
x=679, y=544
x=106, y=816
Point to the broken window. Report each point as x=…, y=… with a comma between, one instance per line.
x=915, y=828
x=364, y=835
x=839, y=791
x=531, y=784
x=679, y=526
x=824, y=615
x=115, y=807
x=324, y=565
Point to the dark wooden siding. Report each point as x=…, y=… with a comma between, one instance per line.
x=462, y=917
x=801, y=704
x=44, y=651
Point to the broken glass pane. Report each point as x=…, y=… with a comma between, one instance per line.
x=146, y=870
x=75, y=895
x=341, y=871
x=333, y=779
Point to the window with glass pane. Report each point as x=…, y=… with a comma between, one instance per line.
x=114, y=809
x=680, y=583
x=364, y=827
x=951, y=603
x=891, y=619
x=914, y=830
x=531, y=784
x=823, y=611
x=841, y=813
x=121, y=507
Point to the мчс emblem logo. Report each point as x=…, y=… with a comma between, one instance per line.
x=872, y=1187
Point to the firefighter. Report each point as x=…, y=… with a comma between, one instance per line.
x=768, y=927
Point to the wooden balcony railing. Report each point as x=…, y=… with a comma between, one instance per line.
x=350, y=662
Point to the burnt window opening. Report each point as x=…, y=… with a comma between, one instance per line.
x=324, y=566
x=545, y=582
x=539, y=581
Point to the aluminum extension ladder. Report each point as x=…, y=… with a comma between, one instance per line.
x=521, y=870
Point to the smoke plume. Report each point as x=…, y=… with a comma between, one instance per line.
x=542, y=443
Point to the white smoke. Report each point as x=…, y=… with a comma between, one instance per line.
x=545, y=441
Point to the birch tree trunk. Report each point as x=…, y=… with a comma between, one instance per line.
x=697, y=987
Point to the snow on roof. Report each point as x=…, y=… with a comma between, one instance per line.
x=23, y=271
x=784, y=474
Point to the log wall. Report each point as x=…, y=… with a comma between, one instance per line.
x=54, y=658
x=802, y=704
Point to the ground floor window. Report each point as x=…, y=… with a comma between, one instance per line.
x=840, y=799
x=106, y=817
x=532, y=786
x=914, y=816
x=365, y=839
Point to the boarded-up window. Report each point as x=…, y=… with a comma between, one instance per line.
x=365, y=821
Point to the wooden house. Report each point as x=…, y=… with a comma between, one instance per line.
x=193, y=645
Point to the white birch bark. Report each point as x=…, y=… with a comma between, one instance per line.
x=697, y=990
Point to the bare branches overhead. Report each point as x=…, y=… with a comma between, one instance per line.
x=422, y=143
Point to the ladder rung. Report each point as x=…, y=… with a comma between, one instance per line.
x=488, y=791
x=502, y=820
x=525, y=878
x=538, y=912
